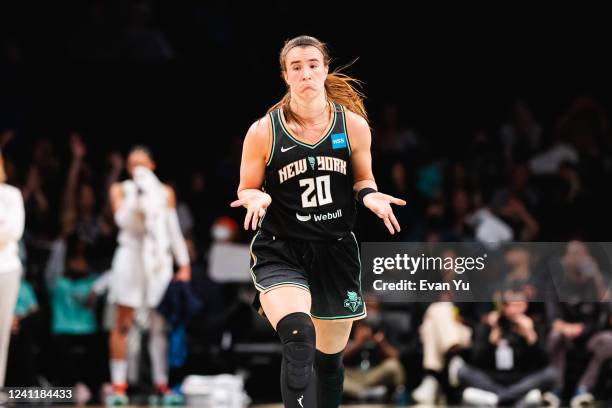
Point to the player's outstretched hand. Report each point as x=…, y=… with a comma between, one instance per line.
x=380, y=204
x=256, y=205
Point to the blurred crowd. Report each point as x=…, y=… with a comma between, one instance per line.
x=523, y=180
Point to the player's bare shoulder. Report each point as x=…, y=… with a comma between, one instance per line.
x=259, y=131
x=358, y=130
x=259, y=136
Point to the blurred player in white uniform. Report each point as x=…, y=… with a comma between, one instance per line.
x=149, y=236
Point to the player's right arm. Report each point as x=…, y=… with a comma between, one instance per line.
x=255, y=152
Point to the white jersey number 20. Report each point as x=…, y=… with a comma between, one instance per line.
x=322, y=186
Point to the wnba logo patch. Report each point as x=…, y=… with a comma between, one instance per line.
x=352, y=302
x=311, y=161
x=338, y=140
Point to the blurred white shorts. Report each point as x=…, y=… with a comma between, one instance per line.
x=131, y=286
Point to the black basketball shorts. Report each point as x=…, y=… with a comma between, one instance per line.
x=329, y=270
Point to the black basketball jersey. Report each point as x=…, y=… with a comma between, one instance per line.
x=311, y=185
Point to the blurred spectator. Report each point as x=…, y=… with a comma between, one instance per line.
x=207, y=326
x=429, y=180
x=393, y=138
x=79, y=213
x=225, y=169
x=484, y=156
x=459, y=227
x=515, y=204
x=517, y=273
x=37, y=205
x=224, y=229
x=402, y=185
x=549, y=161
x=579, y=319
x=41, y=192
x=73, y=324
x=373, y=368
x=585, y=124
x=468, y=220
x=518, y=187
x=521, y=136
x=180, y=304
x=430, y=225
x=574, y=204
x=444, y=330
x=198, y=199
x=79, y=216
x=26, y=305
x=456, y=177
x=489, y=230
x=525, y=227
x=508, y=363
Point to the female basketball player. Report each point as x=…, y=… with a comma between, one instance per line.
x=144, y=210
x=12, y=219
x=311, y=155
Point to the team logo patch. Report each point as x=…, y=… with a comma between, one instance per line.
x=352, y=302
x=311, y=161
x=338, y=140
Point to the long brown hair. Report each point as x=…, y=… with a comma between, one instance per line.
x=339, y=87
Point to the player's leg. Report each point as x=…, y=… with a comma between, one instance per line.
x=9, y=288
x=124, y=316
x=288, y=310
x=158, y=334
x=332, y=337
x=335, y=284
x=127, y=294
x=158, y=345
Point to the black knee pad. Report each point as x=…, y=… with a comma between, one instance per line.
x=297, y=333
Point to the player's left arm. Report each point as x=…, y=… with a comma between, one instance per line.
x=177, y=241
x=379, y=203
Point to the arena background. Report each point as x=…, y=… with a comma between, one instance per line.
x=188, y=78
